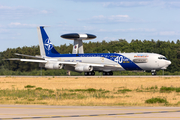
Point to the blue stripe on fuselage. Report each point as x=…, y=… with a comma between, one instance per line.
x=125, y=62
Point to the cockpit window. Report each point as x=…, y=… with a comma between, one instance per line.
x=162, y=57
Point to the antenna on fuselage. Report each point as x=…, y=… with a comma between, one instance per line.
x=78, y=38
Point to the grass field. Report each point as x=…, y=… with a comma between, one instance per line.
x=156, y=91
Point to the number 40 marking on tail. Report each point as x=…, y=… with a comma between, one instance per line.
x=119, y=59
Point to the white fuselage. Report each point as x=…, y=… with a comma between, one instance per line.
x=118, y=61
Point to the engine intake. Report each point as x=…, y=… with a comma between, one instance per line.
x=53, y=66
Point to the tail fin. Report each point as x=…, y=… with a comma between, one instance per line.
x=46, y=47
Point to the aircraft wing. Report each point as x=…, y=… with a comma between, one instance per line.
x=60, y=62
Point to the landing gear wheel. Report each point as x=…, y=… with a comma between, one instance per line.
x=111, y=73
x=89, y=73
x=86, y=73
x=108, y=73
x=93, y=73
x=153, y=72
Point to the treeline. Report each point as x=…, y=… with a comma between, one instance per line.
x=169, y=49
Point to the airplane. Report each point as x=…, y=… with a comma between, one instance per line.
x=91, y=62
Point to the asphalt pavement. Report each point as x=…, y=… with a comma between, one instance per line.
x=43, y=112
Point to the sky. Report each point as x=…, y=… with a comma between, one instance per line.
x=109, y=20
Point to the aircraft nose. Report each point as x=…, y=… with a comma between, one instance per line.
x=168, y=62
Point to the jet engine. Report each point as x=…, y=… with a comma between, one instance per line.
x=82, y=68
x=53, y=66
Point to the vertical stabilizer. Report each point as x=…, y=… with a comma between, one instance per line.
x=46, y=47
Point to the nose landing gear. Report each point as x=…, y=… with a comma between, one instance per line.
x=153, y=72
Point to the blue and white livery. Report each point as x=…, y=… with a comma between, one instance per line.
x=90, y=62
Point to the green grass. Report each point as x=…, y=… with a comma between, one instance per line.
x=38, y=88
x=89, y=90
x=178, y=89
x=29, y=86
x=124, y=90
x=169, y=89
x=148, y=89
x=156, y=100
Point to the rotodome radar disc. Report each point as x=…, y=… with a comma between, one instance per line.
x=72, y=36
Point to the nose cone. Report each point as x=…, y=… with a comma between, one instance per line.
x=168, y=62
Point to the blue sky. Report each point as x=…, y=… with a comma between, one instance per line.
x=107, y=19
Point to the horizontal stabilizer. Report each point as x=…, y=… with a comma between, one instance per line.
x=27, y=60
x=29, y=56
x=12, y=59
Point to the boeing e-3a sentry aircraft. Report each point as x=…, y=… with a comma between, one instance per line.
x=91, y=62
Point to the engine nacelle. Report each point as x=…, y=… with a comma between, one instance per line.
x=82, y=68
x=53, y=66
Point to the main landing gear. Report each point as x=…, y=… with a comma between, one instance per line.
x=93, y=73
x=153, y=72
x=89, y=73
x=108, y=73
